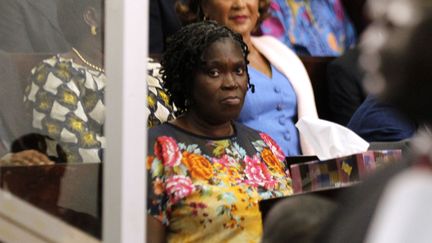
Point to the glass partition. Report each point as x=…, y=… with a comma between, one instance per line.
x=53, y=105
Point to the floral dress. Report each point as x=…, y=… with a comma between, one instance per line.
x=207, y=189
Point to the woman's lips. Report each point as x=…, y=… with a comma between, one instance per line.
x=239, y=18
x=231, y=101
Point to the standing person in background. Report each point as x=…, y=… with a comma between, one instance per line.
x=30, y=26
x=311, y=27
x=207, y=172
x=283, y=92
x=163, y=23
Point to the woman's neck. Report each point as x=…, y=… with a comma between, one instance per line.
x=91, y=52
x=248, y=40
x=191, y=122
x=256, y=59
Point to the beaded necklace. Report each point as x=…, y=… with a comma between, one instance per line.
x=99, y=69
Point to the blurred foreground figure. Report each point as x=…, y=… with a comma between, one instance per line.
x=394, y=205
x=297, y=219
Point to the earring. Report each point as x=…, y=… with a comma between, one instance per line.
x=93, y=30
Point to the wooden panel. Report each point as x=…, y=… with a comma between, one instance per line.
x=22, y=222
x=44, y=186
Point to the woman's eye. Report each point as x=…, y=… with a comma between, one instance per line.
x=213, y=73
x=240, y=71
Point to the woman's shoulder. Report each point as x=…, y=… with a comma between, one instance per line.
x=275, y=51
x=161, y=129
x=167, y=130
x=243, y=131
x=64, y=69
x=240, y=128
x=268, y=40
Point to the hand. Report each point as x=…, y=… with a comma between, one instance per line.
x=27, y=157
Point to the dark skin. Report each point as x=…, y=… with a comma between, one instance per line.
x=27, y=157
x=90, y=46
x=218, y=94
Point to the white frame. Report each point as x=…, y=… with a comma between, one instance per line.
x=124, y=173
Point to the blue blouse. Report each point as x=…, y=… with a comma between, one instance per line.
x=272, y=109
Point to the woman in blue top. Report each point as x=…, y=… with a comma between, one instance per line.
x=283, y=92
x=273, y=108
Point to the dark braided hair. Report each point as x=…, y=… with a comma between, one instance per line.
x=184, y=55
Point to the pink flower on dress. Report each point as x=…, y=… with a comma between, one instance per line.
x=226, y=161
x=178, y=187
x=167, y=151
x=257, y=173
x=274, y=147
x=229, y=165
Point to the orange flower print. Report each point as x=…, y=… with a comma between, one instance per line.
x=149, y=162
x=199, y=167
x=274, y=147
x=158, y=186
x=234, y=174
x=271, y=160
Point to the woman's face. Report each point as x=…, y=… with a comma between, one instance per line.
x=239, y=15
x=220, y=84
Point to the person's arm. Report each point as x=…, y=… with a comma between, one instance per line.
x=156, y=194
x=155, y=231
x=26, y=157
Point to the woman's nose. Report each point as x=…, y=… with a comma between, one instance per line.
x=239, y=3
x=229, y=81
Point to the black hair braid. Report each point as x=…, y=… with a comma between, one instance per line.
x=183, y=57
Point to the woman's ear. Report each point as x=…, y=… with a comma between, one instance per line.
x=92, y=18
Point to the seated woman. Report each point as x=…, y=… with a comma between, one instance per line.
x=283, y=91
x=65, y=95
x=207, y=172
